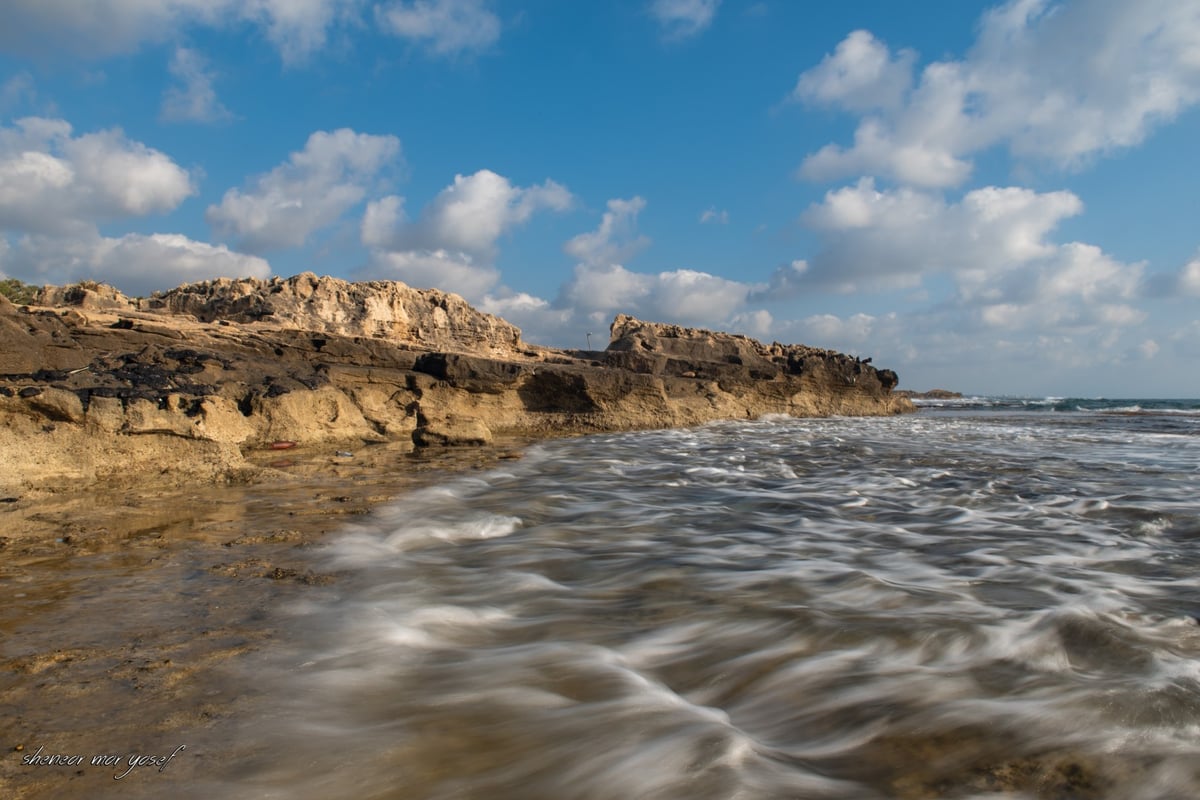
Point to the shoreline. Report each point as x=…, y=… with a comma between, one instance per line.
x=153, y=521
x=96, y=387
x=132, y=610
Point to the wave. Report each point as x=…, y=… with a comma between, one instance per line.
x=1186, y=407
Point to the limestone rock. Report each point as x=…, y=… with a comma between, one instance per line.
x=186, y=384
x=452, y=431
x=429, y=318
x=87, y=295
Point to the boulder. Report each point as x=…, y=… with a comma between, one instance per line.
x=451, y=431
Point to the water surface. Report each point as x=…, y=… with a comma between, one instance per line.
x=962, y=603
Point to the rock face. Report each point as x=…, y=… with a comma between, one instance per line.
x=388, y=309
x=97, y=386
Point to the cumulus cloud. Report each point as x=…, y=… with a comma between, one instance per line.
x=596, y=293
x=468, y=216
x=453, y=244
x=194, y=99
x=860, y=75
x=1189, y=278
x=135, y=263
x=712, y=216
x=849, y=334
x=311, y=190
x=683, y=19
x=297, y=28
x=1006, y=276
x=445, y=27
x=873, y=239
x=616, y=240
x=540, y=321
x=54, y=182
x=600, y=287
x=103, y=28
x=55, y=190
x=1062, y=82
x=450, y=271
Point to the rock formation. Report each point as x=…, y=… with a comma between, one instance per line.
x=95, y=385
x=931, y=394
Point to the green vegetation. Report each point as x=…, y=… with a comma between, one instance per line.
x=18, y=292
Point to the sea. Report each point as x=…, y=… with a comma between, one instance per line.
x=989, y=598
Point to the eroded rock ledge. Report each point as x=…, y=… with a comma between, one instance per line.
x=183, y=385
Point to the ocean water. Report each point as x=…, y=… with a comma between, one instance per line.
x=989, y=598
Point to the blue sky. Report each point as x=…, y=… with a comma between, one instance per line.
x=997, y=198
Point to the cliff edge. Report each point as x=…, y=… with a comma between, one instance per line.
x=185, y=385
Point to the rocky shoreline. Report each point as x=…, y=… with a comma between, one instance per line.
x=168, y=462
x=195, y=384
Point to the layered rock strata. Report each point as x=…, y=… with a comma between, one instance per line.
x=183, y=385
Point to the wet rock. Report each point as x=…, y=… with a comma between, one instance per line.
x=323, y=361
x=452, y=431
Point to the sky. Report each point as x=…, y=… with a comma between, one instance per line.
x=998, y=198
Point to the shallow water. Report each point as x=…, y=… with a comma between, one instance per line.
x=961, y=603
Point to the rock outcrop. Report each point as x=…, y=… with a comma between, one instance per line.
x=931, y=394
x=185, y=384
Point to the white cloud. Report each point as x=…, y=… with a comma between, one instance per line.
x=696, y=297
x=55, y=188
x=595, y=294
x=786, y=282
x=310, y=191
x=297, y=28
x=436, y=269
x=53, y=182
x=101, y=28
x=381, y=221
x=829, y=330
x=605, y=289
x=1062, y=82
x=757, y=323
x=860, y=75
x=194, y=99
x=468, y=216
x=539, y=321
x=601, y=286
x=714, y=217
x=135, y=263
x=1189, y=278
x=616, y=239
x=445, y=27
x=873, y=239
x=877, y=152
x=455, y=241
x=682, y=19
x=1007, y=278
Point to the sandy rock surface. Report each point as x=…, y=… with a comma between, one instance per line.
x=183, y=386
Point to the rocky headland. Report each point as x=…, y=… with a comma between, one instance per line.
x=195, y=384
x=929, y=394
